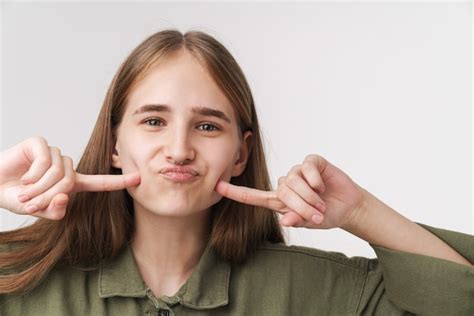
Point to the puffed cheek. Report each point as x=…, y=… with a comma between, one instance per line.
x=214, y=196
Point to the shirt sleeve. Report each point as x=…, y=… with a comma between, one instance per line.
x=419, y=284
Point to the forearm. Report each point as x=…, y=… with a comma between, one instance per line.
x=379, y=224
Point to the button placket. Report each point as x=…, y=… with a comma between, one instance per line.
x=152, y=298
x=164, y=312
x=160, y=307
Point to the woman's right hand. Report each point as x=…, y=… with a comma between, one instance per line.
x=32, y=173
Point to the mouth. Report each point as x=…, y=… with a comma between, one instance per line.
x=179, y=177
x=179, y=173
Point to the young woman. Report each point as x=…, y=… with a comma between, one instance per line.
x=170, y=211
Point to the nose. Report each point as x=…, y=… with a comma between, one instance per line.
x=179, y=148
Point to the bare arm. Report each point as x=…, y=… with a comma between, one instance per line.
x=379, y=224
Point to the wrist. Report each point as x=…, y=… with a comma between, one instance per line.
x=359, y=216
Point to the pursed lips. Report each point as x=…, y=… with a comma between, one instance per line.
x=179, y=173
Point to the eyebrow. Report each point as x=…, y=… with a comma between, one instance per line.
x=202, y=110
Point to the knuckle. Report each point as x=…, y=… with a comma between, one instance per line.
x=55, y=150
x=57, y=170
x=39, y=201
x=273, y=202
x=313, y=202
x=23, y=209
x=306, y=166
x=277, y=192
x=68, y=164
x=294, y=169
x=38, y=139
x=309, y=212
x=44, y=161
x=124, y=183
x=282, y=193
x=245, y=197
x=309, y=172
x=311, y=157
x=67, y=159
x=292, y=179
x=68, y=183
x=105, y=184
x=308, y=157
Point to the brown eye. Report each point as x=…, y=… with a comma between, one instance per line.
x=153, y=122
x=209, y=127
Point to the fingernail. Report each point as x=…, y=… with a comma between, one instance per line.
x=317, y=218
x=31, y=208
x=321, y=207
x=22, y=198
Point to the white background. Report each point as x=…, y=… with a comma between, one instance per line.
x=382, y=90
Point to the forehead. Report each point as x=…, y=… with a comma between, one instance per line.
x=181, y=82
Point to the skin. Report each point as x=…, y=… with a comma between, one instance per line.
x=35, y=179
x=172, y=219
x=147, y=146
x=346, y=205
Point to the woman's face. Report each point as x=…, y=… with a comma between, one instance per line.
x=178, y=114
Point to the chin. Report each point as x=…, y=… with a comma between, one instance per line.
x=174, y=204
x=172, y=209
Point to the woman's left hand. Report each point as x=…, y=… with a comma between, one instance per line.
x=316, y=187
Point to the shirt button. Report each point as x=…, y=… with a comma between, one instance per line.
x=163, y=312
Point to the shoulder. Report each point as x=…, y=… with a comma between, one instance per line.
x=60, y=291
x=61, y=288
x=309, y=277
x=302, y=267
x=308, y=255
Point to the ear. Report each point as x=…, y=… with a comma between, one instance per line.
x=243, y=154
x=116, y=162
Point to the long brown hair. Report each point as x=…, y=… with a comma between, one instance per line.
x=98, y=224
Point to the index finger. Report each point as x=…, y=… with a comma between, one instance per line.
x=267, y=199
x=105, y=182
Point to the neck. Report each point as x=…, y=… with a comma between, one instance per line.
x=167, y=249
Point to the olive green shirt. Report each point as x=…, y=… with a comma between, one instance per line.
x=277, y=280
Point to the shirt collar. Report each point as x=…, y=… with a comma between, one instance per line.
x=207, y=287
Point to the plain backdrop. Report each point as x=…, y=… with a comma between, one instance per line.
x=382, y=90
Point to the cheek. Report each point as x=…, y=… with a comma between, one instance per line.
x=220, y=166
x=221, y=170
x=133, y=158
